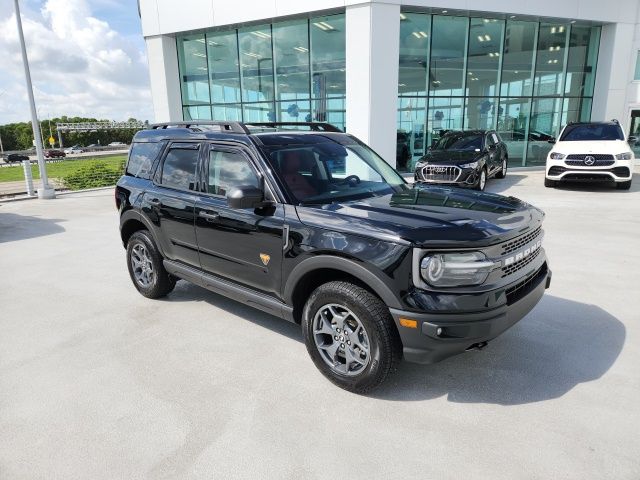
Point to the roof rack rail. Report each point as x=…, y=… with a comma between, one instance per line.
x=235, y=127
x=315, y=126
x=614, y=120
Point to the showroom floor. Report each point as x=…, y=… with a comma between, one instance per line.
x=97, y=382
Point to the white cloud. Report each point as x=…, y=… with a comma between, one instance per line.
x=79, y=65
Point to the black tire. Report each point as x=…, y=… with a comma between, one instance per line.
x=162, y=282
x=623, y=185
x=549, y=183
x=503, y=171
x=385, y=347
x=479, y=185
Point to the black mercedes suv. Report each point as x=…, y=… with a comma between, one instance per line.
x=464, y=159
x=314, y=227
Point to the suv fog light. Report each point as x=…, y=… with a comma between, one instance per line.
x=455, y=269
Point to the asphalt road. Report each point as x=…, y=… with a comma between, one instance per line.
x=97, y=382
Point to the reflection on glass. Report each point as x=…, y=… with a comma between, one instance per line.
x=545, y=123
x=328, y=77
x=513, y=127
x=256, y=63
x=552, y=42
x=576, y=110
x=444, y=114
x=483, y=63
x=229, y=112
x=581, y=62
x=291, y=52
x=411, y=123
x=294, y=111
x=192, y=59
x=197, y=112
x=224, y=74
x=480, y=113
x=258, y=112
x=518, y=59
x=448, y=51
x=415, y=31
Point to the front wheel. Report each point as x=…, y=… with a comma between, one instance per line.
x=482, y=180
x=503, y=171
x=145, y=266
x=350, y=336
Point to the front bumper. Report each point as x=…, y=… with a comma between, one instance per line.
x=467, y=177
x=442, y=335
x=617, y=171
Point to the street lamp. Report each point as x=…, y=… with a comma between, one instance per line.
x=45, y=191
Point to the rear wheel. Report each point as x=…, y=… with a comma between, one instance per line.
x=350, y=336
x=623, y=185
x=549, y=183
x=145, y=266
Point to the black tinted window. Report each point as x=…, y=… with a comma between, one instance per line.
x=228, y=170
x=575, y=133
x=459, y=142
x=141, y=159
x=179, y=168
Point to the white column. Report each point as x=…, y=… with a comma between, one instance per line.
x=372, y=38
x=613, y=72
x=164, y=77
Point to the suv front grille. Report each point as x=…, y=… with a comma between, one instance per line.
x=521, y=289
x=516, y=243
x=514, y=267
x=436, y=173
x=599, y=160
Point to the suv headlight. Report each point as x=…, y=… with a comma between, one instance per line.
x=455, y=269
x=625, y=156
x=470, y=165
x=556, y=156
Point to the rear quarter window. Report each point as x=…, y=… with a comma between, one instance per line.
x=141, y=158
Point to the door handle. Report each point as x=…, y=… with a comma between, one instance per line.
x=209, y=217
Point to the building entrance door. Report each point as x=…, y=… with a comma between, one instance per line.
x=634, y=131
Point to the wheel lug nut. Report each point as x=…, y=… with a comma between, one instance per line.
x=342, y=345
x=348, y=342
x=336, y=337
x=338, y=330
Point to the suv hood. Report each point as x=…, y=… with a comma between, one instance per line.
x=611, y=147
x=427, y=215
x=450, y=157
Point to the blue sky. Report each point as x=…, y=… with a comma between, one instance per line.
x=87, y=58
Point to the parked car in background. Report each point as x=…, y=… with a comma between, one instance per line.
x=15, y=157
x=117, y=144
x=464, y=159
x=74, y=149
x=591, y=152
x=54, y=154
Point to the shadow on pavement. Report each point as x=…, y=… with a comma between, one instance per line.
x=15, y=227
x=499, y=185
x=559, y=345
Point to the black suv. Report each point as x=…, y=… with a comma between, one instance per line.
x=314, y=227
x=464, y=159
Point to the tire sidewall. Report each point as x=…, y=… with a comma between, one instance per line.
x=142, y=237
x=361, y=381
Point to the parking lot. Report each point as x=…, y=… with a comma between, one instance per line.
x=97, y=382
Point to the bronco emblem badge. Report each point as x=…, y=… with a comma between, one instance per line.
x=265, y=258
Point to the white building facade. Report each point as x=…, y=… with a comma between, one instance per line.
x=397, y=74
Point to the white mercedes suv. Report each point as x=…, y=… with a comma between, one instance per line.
x=593, y=151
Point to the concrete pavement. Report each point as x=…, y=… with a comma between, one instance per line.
x=97, y=382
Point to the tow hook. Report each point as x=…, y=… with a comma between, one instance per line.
x=477, y=346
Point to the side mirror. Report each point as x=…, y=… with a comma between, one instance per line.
x=245, y=196
x=552, y=140
x=632, y=140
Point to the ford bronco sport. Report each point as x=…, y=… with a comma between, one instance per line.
x=314, y=227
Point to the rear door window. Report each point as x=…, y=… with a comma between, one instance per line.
x=179, y=166
x=141, y=158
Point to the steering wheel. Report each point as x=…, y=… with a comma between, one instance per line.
x=352, y=180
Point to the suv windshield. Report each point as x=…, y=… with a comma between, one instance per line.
x=459, y=141
x=591, y=132
x=326, y=172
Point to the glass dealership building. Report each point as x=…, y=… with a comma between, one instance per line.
x=398, y=75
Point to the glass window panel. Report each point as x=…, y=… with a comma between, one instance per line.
x=546, y=118
x=513, y=127
x=518, y=58
x=200, y=112
x=575, y=110
x=448, y=52
x=228, y=170
x=581, y=62
x=636, y=76
x=444, y=114
x=227, y=112
x=299, y=111
x=256, y=63
x=415, y=31
x=328, y=56
x=258, y=112
x=552, y=42
x=141, y=158
x=480, y=113
x=224, y=74
x=291, y=50
x=411, y=131
x=483, y=62
x=194, y=77
x=179, y=168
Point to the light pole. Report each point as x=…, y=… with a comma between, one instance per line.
x=45, y=191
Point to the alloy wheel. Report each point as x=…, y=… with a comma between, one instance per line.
x=142, y=264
